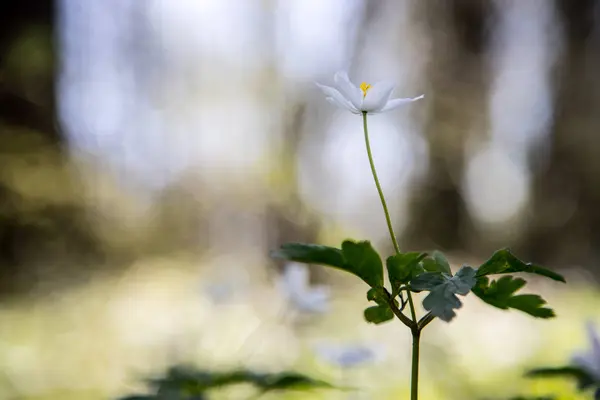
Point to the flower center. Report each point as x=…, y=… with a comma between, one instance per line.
x=365, y=88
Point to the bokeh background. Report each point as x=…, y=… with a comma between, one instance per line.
x=153, y=152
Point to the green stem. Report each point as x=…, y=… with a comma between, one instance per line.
x=414, y=378
x=425, y=320
x=416, y=332
x=374, y=171
x=385, y=207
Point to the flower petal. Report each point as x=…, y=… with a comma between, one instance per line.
x=395, y=103
x=347, y=89
x=595, y=341
x=377, y=97
x=335, y=97
x=346, y=106
x=587, y=363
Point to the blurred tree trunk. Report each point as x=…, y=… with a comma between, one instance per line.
x=459, y=83
x=44, y=233
x=565, y=226
x=27, y=20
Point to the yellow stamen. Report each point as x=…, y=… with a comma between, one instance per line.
x=365, y=88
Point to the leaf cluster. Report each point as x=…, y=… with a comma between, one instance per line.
x=188, y=383
x=583, y=379
x=419, y=271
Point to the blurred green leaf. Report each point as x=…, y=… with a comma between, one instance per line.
x=287, y=381
x=378, y=314
x=402, y=268
x=504, y=262
x=442, y=299
x=134, y=397
x=500, y=293
x=583, y=379
x=188, y=383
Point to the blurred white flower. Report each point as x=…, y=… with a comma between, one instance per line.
x=219, y=293
x=349, y=355
x=368, y=98
x=295, y=286
x=590, y=361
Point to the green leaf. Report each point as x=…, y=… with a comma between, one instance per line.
x=378, y=314
x=441, y=262
x=500, y=293
x=310, y=254
x=363, y=261
x=531, y=304
x=382, y=311
x=504, y=262
x=402, y=268
x=584, y=379
x=378, y=295
x=358, y=258
x=442, y=299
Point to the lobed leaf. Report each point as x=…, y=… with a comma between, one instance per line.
x=427, y=281
x=442, y=299
x=500, y=294
x=504, y=262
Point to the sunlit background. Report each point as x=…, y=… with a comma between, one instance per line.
x=153, y=152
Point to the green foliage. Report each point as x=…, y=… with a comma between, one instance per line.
x=382, y=311
x=310, y=254
x=402, y=268
x=187, y=383
x=378, y=314
x=441, y=262
x=358, y=258
x=362, y=260
x=142, y=397
x=504, y=262
x=443, y=289
x=500, y=293
x=378, y=295
x=583, y=379
x=417, y=271
x=533, y=398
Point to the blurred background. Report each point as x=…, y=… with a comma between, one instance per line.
x=153, y=152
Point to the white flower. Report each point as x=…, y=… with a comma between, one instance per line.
x=590, y=361
x=366, y=98
x=347, y=356
x=219, y=293
x=295, y=286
